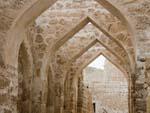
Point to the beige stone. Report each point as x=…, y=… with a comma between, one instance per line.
x=46, y=44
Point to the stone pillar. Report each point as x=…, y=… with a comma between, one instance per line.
x=39, y=90
x=132, y=90
x=90, y=103
x=59, y=91
x=80, y=95
x=39, y=94
x=36, y=92
x=70, y=100
x=83, y=98
x=59, y=96
x=50, y=93
x=59, y=72
x=8, y=89
x=140, y=90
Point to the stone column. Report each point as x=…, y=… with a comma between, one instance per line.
x=50, y=93
x=59, y=96
x=140, y=90
x=90, y=103
x=83, y=100
x=132, y=90
x=59, y=72
x=70, y=93
x=36, y=92
x=80, y=93
x=59, y=89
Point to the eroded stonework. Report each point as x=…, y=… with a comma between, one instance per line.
x=45, y=45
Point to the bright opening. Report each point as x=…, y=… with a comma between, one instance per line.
x=98, y=63
x=107, y=85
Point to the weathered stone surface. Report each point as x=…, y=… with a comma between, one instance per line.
x=3, y=99
x=59, y=39
x=4, y=82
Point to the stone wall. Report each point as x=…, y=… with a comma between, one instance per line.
x=127, y=24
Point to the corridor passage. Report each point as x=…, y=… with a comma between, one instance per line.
x=107, y=85
x=74, y=56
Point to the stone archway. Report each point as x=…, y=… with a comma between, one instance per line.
x=83, y=65
x=18, y=28
x=70, y=104
x=86, y=59
x=32, y=12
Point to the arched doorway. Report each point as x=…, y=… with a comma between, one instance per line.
x=107, y=85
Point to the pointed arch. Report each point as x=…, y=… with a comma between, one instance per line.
x=108, y=58
x=84, y=64
x=33, y=11
x=119, y=13
x=83, y=22
x=91, y=44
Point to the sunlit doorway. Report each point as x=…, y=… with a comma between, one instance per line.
x=108, y=86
